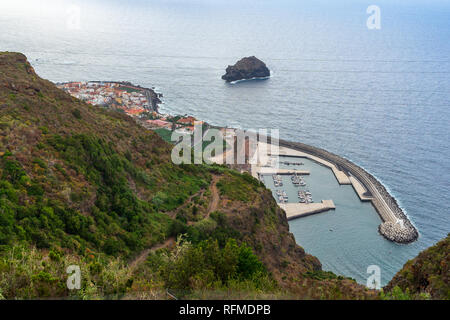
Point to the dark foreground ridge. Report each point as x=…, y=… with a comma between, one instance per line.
x=246, y=69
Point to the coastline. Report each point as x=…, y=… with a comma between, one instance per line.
x=395, y=226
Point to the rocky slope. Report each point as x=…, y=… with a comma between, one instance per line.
x=427, y=274
x=246, y=68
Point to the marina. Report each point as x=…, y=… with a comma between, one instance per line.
x=292, y=193
x=305, y=197
x=289, y=158
x=277, y=181
x=297, y=180
x=395, y=225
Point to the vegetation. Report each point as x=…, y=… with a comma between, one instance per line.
x=426, y=276
x=29, y=273
x=238, y=187
x=208, y=266
x=165, y=134
x=322, y=275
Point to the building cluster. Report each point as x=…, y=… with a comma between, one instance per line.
x=132, y=100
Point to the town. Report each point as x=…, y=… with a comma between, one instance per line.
x=137, y=102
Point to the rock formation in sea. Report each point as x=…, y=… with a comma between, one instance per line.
x=245, y=69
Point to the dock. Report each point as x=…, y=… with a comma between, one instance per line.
x=299, y=210
x=341, y=177
x=269, y=171
x=360, y=190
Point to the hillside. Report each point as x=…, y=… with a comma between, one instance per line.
x=86, y=186
x=427, y=275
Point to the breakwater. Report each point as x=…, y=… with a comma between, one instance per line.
x=395, y=224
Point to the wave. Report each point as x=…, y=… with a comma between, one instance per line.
x=251, y=79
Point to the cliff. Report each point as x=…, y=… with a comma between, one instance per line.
x=245, y=69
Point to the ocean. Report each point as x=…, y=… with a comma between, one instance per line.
x=380, y=98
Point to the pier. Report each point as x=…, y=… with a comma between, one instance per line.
x=341, y=177
x=299, y=210
x=265, y=170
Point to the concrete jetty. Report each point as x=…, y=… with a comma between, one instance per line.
x=298, y=210
x=360, y=190
x=267, y=170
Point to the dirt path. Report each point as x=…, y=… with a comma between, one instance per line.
x=214, y=203
x=174, y=212
x=144, y=254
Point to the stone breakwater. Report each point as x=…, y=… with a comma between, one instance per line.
x=396, y=226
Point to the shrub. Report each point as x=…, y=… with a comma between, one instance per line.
x=206, y=265
x=76, y=113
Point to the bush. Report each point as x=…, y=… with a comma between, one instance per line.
x=235, y=186
x=76, y=113
x=177, y=227
x=206, y=265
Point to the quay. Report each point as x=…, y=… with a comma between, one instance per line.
x=268, y=171
x=341, y=177
x=298, y=210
